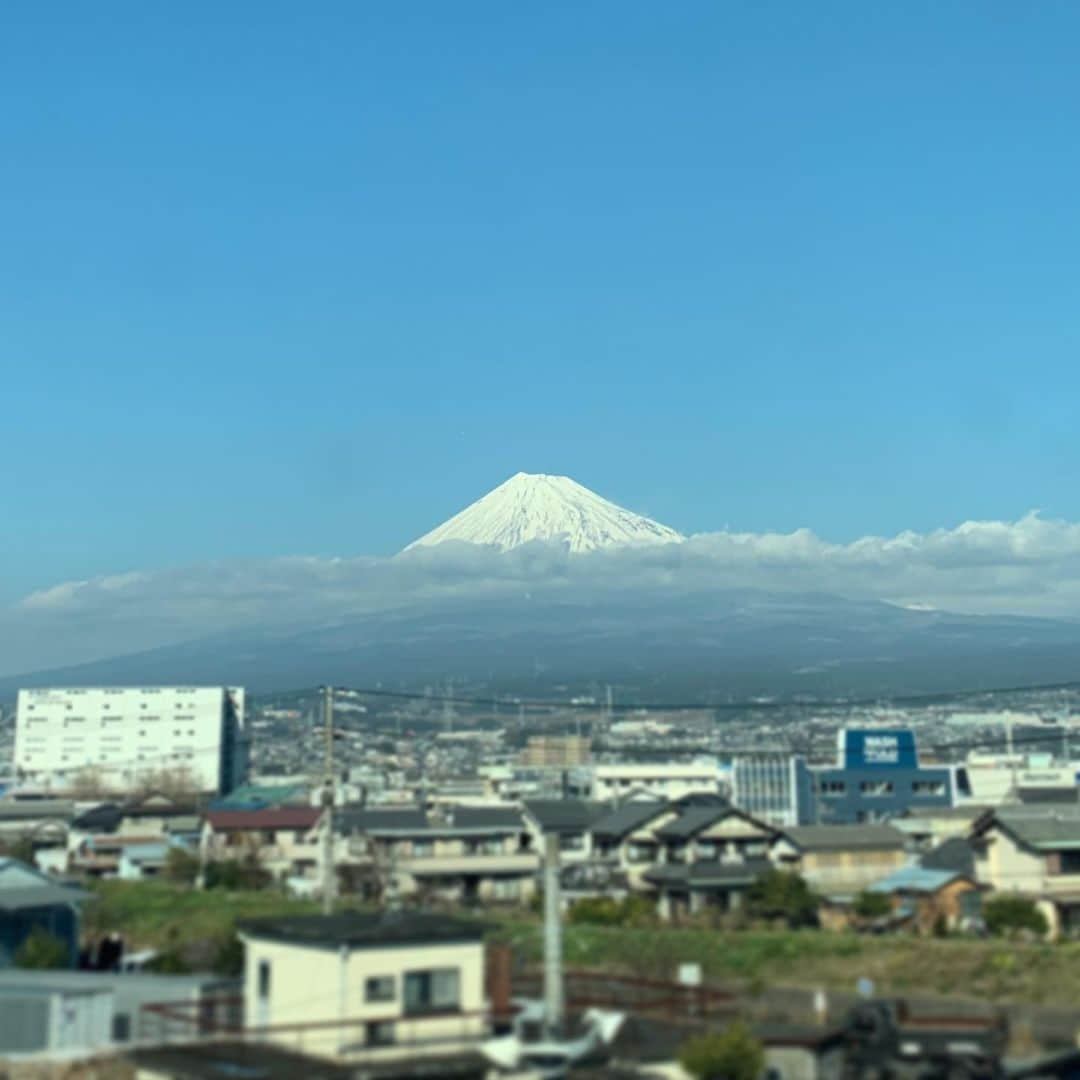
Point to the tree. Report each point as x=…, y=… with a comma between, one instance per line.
x=178, y=784
x=181, y=866
x=89, y=783
x=21, y=849
x=1009, y=915
x=872, y=906
x=783, y=894
x=42, y=951
x=731, y=1054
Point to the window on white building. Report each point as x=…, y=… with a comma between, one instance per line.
x=432, y=991
x=379, y=988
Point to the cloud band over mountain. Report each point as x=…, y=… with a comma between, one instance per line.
x=1030, y=566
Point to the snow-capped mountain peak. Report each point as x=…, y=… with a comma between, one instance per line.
x=535, y=506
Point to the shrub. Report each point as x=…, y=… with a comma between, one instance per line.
x=181, y=866
x=783, y=894
x=1008, y=915
x=872, y=905
x=604, y=911
x=42, y=951
x=732, y=1054
x=237, y=875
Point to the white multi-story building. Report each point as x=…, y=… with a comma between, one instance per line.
x=660, y=780
x=121, y=737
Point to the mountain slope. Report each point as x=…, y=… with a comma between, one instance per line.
x=712, y=646
x=539, y=507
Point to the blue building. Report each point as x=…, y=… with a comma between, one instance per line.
x=31, y=901
x=878, y=776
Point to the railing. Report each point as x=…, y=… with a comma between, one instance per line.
x=221, y=1019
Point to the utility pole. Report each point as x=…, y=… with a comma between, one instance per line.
x=328, y=889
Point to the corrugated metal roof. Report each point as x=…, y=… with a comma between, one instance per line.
x=915, y=879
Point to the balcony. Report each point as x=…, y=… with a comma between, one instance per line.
x=523, y=862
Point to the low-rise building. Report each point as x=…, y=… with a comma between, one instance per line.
x=377, y=987
x=464, y=854
x=1033, y=852
x=662, y=780
x=283, y=841
x=926, y=900
x=30, y=901
x=839, y=861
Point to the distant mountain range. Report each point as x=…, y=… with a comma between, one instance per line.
x=708, y=647
x=544, y=631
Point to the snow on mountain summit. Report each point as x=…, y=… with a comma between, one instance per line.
x=534, y=506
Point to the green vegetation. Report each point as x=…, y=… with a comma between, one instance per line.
x=181, y=866
x=783, y=896
x=872, y=905
x=604, y=911
x=21, y=849
x=731, y=1054
x=1007, y=916
x=42, y=951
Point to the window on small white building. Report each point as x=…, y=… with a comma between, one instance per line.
x=379, y=988
x=432, y=991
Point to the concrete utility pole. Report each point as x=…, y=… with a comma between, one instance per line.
x=554, y=994
x=328, y=881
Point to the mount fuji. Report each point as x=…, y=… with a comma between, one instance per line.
x=534, y=506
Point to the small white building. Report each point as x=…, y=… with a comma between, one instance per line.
x=377, y=986
x=122, y=737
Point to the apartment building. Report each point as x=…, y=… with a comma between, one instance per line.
x=658, y=781
x=121, y=738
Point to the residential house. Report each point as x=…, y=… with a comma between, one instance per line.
x=925, y=899
x=1033, y=851
x=283, y=840
x=626, y=838
x=43, y=823
x=840, y=861
x=29, y=901
x=373, y=987
x=571, y=819
x=464, y=854
x=711, y=853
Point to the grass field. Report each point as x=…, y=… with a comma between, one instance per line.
x=157, y=915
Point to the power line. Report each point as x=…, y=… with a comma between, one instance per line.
x=745, y=705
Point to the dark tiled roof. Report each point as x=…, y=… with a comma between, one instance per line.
x=377, y=818
x=845, y=837
x=627, y=818
x=955, y=854
x=706, y=872
x=566, y=815
x=286, y=817
x=692, y=821
x=484, y=817
x=103, y=818
x=364, y=929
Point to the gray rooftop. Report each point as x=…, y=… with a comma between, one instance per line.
x=708, y=872
x=844, y=837
x=566, y=815
x=695, y=819
x=627, y=818
x=1043, y=827
x=364, y=929
x=36, y=809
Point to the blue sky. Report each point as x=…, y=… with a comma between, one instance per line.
x=284, y=278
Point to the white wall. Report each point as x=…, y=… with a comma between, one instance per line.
x=123, y=734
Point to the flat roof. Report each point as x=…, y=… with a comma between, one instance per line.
x=365, y=930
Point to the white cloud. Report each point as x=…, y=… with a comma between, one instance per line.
x=1030, y=566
